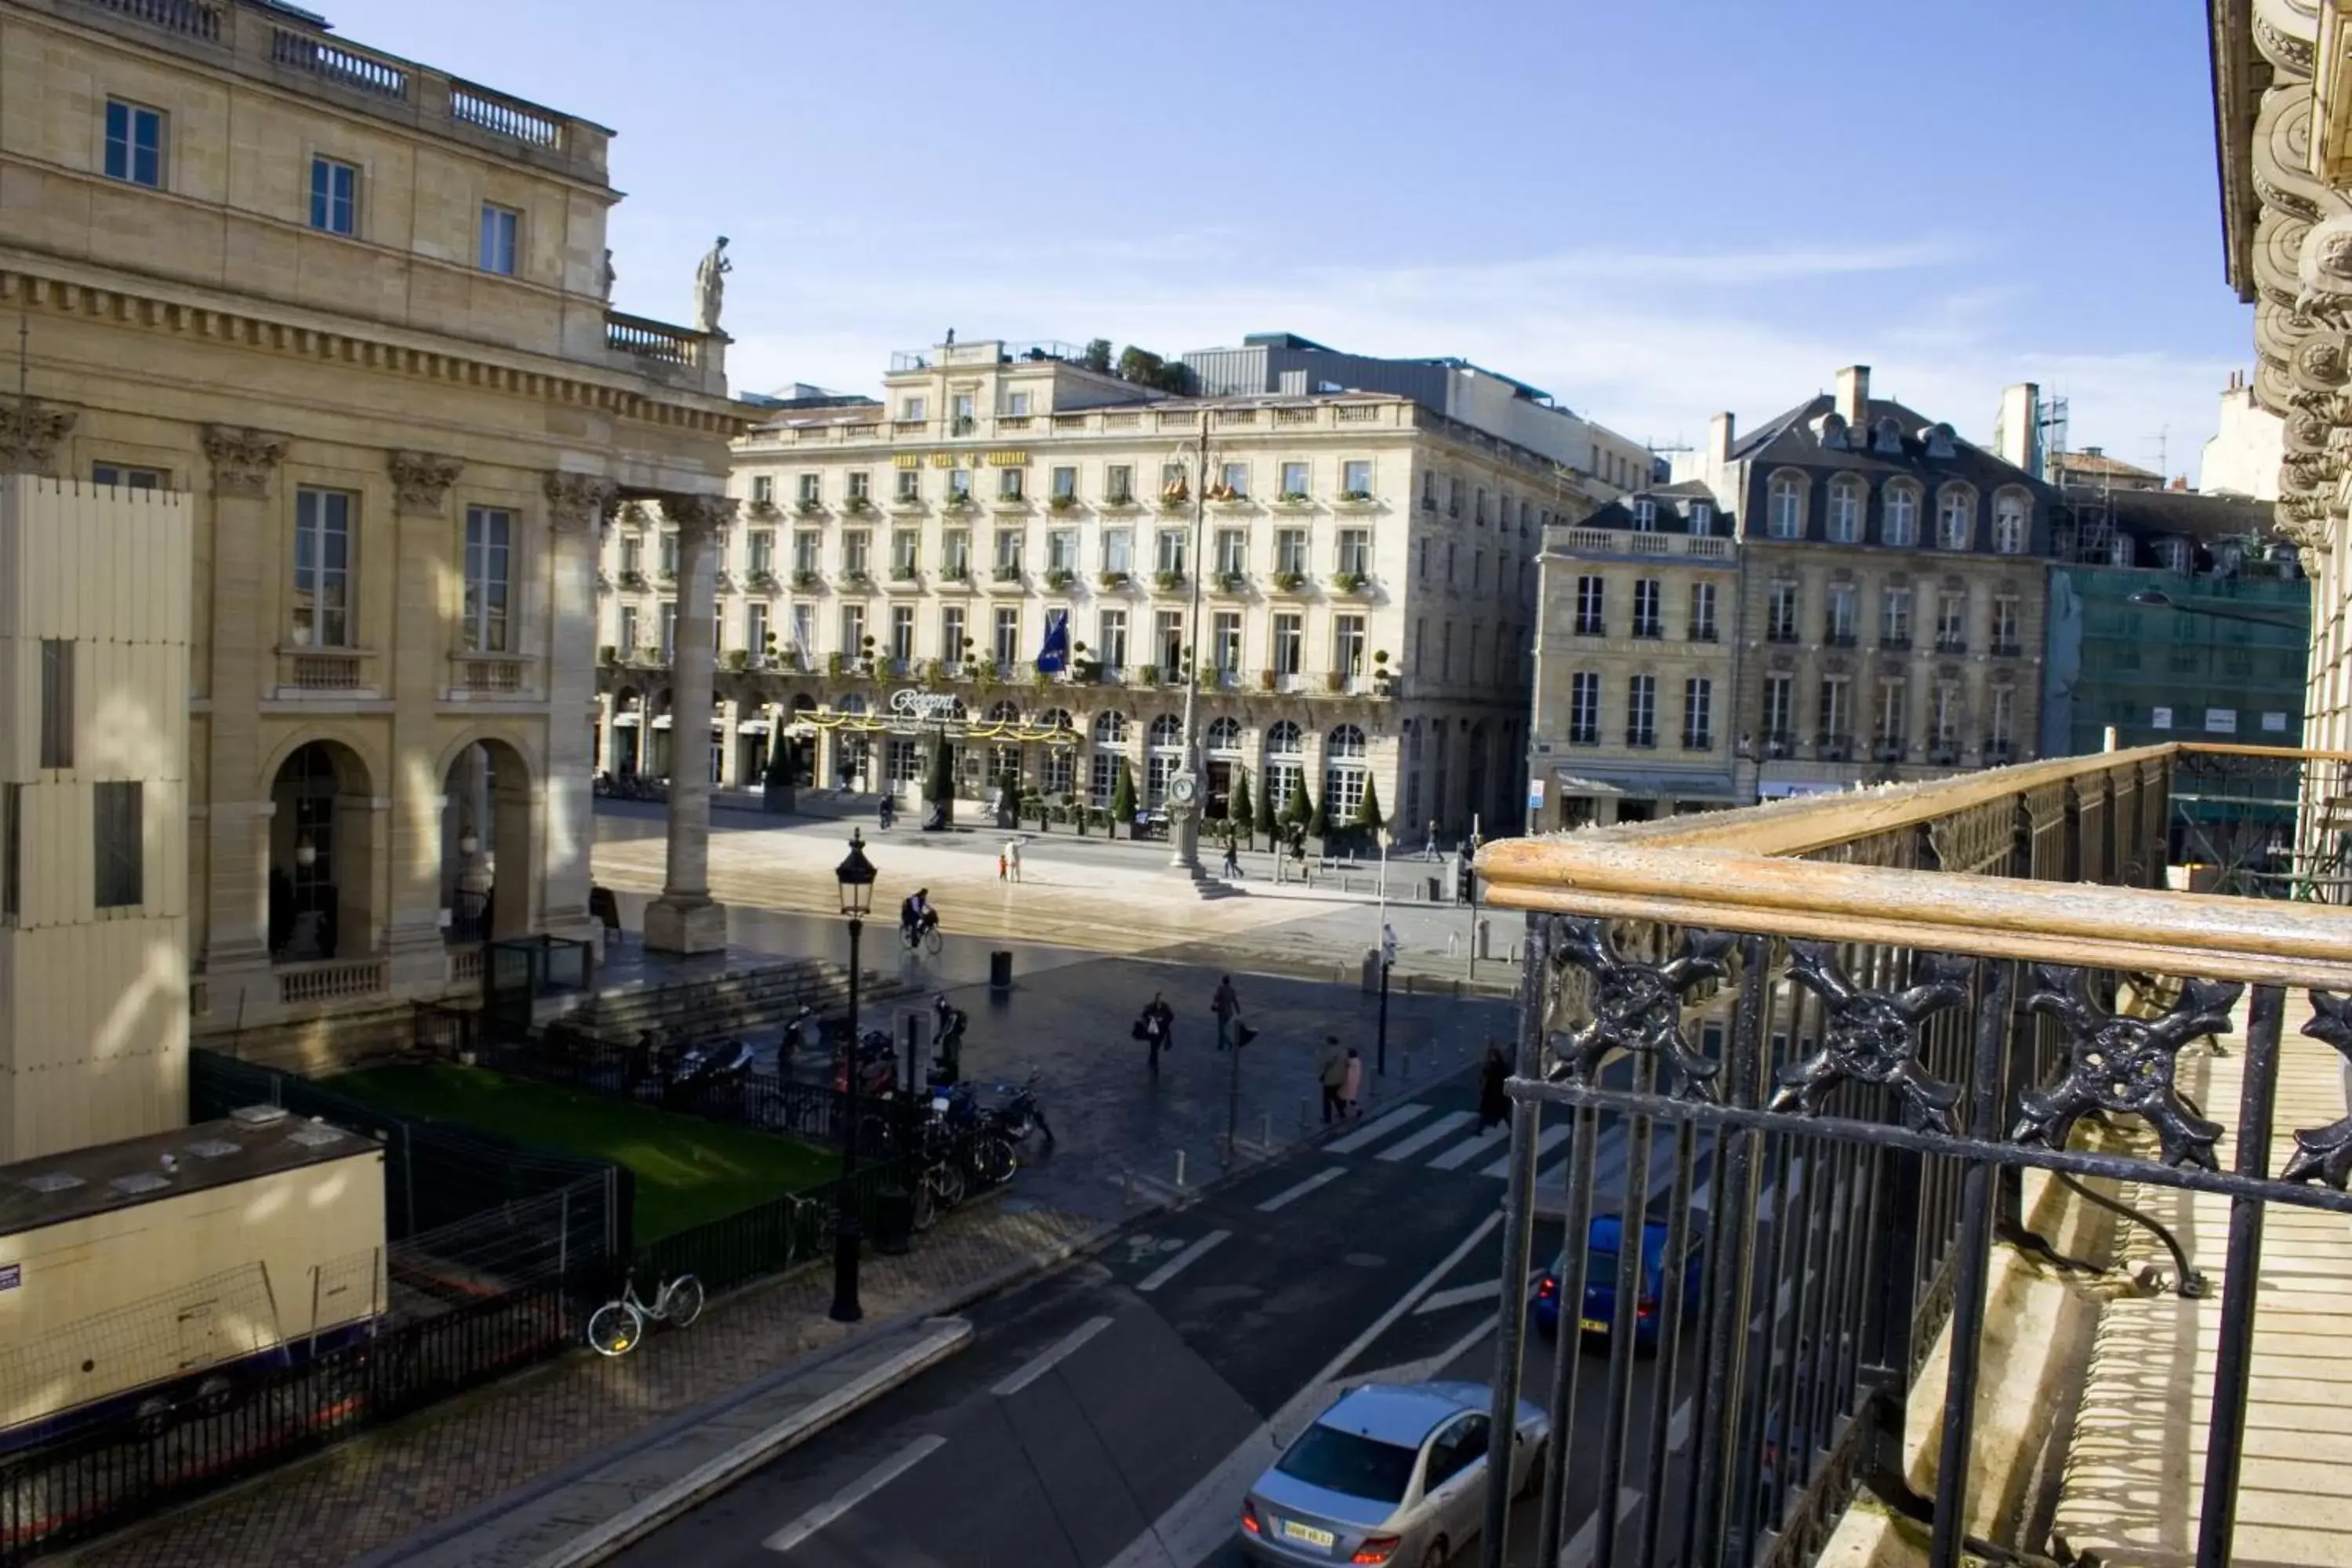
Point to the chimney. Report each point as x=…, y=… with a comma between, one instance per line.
x=1854, y=395
x=1719, y=441
x=2016, y=429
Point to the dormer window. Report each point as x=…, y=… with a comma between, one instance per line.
x=1846, y=509
x=1885, y=436
x=1833, y=435
x=1702, y=518
x=1786, y=517
x=1938, y=440
x=1645, y=515
x=2119, y=551
x=2009, y=528
x=1901, y=529
x=1956, y=519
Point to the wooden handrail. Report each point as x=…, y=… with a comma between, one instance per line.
x=1742, y=871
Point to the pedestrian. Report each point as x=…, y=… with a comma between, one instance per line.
x=1227, y=1006
x=1494, y=1106
x=1333, y=1076
x=1298, y=852
x=1351, y=1092
x=1012, y=858
x=1000, y=865
x=1156, y=1027
x=1233, y=856
x=1429, y=844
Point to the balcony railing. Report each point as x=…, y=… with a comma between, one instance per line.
x=1833, y=746
x=1876, y=1031
x=1780, y=634
x=1951, y=643
x=1640, y=738
x=2007, y=647
x=195, y=18
x=657, y=340
x=1895, y=642
x=1838, y=637
x=331, y=980
x=1698, y=741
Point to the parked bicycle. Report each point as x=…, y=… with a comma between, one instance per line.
x=615, y=1329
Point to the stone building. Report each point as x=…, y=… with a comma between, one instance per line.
x=1636, y=661
x=354, y=308
x=1363, y=582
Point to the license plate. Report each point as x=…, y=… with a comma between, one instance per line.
x=1314, y=1535
x=1594, y=1326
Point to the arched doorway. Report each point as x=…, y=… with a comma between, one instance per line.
x=1346, y=769
x=1285, y=759
x=321, y=856
x=1164, y=755
x=628, y=737
x=1224, y=760
x=486, y=831
x=799, y=743
x=1102, y=767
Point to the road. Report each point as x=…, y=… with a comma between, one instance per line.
x=1112, y=1415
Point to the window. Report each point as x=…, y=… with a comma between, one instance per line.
x=1642, y=711
x=1702, y=518
x=1356, y=479
x=1290, y=550
x=1225, y=641
x=1118, y=550
x=1420, y=645
x=1837, y=710
x=1702, y=612
x=1894, y=705
x=1901, y=516
x=57, y=703
x=12, y=851
x=905, y=543
x=854, y=547
x=1944, y=718
x=1846, y=509
x=499, y=226
x=960, y=408
x=756, y=635
x=1344, y=773
x=1289, y=643
x=1232, y=483
x=1955, y=518
x=1347, y=645
x=1648, y=621
x=1780, y=613
x=1294, y=480
x=1111, y=639
x=1478, y=512
x=667, y=548
x=804, y=631
x=1167, y=637
x=1016, y=404
x=1584, y=707
x=911, y=484
x=902, y=632
x=2173, y=554
x=1118, y=484
x=2000, y=726
x=1779, y=710
x=2009, y=523
x=129, y=478
x=762, y=543
x=1698, y=713
x=334, y=190
x=134, y=143
x=804, y=549
x=1356, y=552
x=1952, y=623
x=628, y=637
x=1008, y=553
x=1839, y=626
x=1428, y=490
x=852, y=631
x=2005, y=618
x=1062, y=550
x=322, y=569
x=1786, y=513
x=1064, y=484
x=118, y=835
x=1169, y=552
x=1008, y=484
x=955, y=553
x=1590, y=601
x=861, y=486
x=1645, y=516
x=959, y=484
x=1895, y=619
x=489, y=531
x=915, y=409
x=1233, y=551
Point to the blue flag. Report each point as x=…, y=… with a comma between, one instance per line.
x=1055, y=655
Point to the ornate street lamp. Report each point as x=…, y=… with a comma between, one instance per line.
x=856, y=875
x=1184, y=792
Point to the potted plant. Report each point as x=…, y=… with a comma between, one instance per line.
x=940, y=788
x=666, y=575
x=1334, y=681
x=1368, y=818
x=1262, y=821
x=1237, y=809
x=1349, y=582
x=1122, y=800
x=1289, y=582
x=1294, y=497
x=608, y=655
x=652, y=657
x=808, y=506
x=1147, y=675
x=903, y=571
x=1168, y=581
x=633, y=579
x=834, y=665
x=762, y=579
x=865, y=653
x=957, y=572
x=1232, y=582
x=1061, y=503
x=739, y=659
x=855, y=576
x=860, y=505
x=1008, y=574
x=803, y=579
x=1080, y=816
x=1059, y=578
x=1265, y=679
x=1114, y=580
x=776, y=782
x=1382, y=676
x=1356, y=498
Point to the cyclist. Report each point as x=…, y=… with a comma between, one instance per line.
x=888, y=812
x=917, y=919
x=949, y=1023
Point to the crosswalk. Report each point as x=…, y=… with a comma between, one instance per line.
x=1412, y=1130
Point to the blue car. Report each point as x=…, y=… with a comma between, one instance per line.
x=1600, y=1314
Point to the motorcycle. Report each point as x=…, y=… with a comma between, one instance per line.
x=710, y=1064
x=1014, y=1111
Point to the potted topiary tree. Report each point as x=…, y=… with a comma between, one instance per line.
x=1262, y=821
x=776, y=782
x=1368, y=821
x=1122, y=800
x=1318, y=821
x=940, y=788
x=1008, y=799
x=1237, y=810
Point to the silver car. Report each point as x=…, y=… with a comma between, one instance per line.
x=1392, y=1473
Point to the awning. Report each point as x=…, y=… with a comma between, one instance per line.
x=661, y=722
x=1662, y=786
x=625, y=721
x=752, y=727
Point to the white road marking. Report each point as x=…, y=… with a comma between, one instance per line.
x=1053, y=1355
x=1460, y=1296
x=1428, y=1135
x=1374, y=1131
x=1182, y=1260
x=1469, y=1149
x=856, y=1492
x=1579, y=1547
x=1546, y=1140
x=1202, y=1520
x=1290, y=1195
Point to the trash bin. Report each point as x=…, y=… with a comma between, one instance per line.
x=1000, y=971
x=1371, y=971
x=893, y=1220
x=1436, y=889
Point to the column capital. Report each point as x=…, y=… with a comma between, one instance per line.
x=697, y=514
x=29, y=433
x=242, y=459
x=577, y=502
x=421, y=480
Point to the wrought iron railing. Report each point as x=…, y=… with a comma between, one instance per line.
x=1827, y=1039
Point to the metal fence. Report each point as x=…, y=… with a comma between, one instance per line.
x=762, y=1100
x=1846, y=1061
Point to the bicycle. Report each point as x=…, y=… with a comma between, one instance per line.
x=923, y=939
x=614, y=1328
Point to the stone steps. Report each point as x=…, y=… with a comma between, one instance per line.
x=749, y=1002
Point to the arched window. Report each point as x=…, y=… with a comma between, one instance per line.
x=1786, y=513
x=2009, y=526
x=1955, y=517
x=1102, y=770
x=853, y=703
x=1055, y=719
x=1901, y=514
x=1846, y=509
x=1110, y=729
x=1005, y=713
x=1344, y=774
x=1285, y=741
x=1164, y=756
x=1346, y=740
x=1284, y=748
x=1225, y=735
x=1168, y=732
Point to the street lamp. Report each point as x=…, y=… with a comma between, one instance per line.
x=1184, y=800
x=856, y=875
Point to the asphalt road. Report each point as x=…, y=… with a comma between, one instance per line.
x=1111, y=1416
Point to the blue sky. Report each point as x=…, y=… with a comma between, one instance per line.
x=1651, y=209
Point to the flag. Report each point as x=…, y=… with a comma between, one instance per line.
x=1055, y=655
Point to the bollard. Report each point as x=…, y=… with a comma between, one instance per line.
x=1408, y=1064
x=1179, y=1170
x=1265, y=1129
x=1127, y=1186
x=1302, y=1116
x=1454, y=944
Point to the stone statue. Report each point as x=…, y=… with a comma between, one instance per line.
x=710, y=287
x=611, y=277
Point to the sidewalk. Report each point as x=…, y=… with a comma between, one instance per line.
x=2135, y=1472
x=564, y=1421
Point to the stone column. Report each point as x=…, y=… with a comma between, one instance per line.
x=244, y=668
x=472, y=795
x=577, y=505
x=409, y=830
x=684, y=918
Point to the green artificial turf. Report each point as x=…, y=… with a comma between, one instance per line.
x=688, y=1170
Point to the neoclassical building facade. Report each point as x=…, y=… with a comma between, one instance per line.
x=355, y=309
x=1363, y=584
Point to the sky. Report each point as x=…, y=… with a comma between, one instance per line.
x=1652, y=210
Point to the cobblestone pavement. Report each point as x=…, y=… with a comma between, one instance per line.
x=378, y=1489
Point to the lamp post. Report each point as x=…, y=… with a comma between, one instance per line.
x=856, y=875
x=1184, y=800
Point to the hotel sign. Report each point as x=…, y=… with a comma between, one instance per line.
x=930, y=707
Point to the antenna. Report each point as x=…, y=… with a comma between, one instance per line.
x=2163, y=447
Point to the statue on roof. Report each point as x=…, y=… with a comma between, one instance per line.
x=710, y=287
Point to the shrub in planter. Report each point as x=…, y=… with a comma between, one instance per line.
x=1122, y=799
x=608, y=654
x=739, y=659
x=1237, y=809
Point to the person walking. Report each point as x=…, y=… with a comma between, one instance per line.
x=1333, y=1076
x=1494, y=1105
x=1352, y=1089
x=1429, y=844
x=1156, y=1027
x=1227, y=1005
x=1000, y=865
x=1012, y=859
x=1233, y=856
